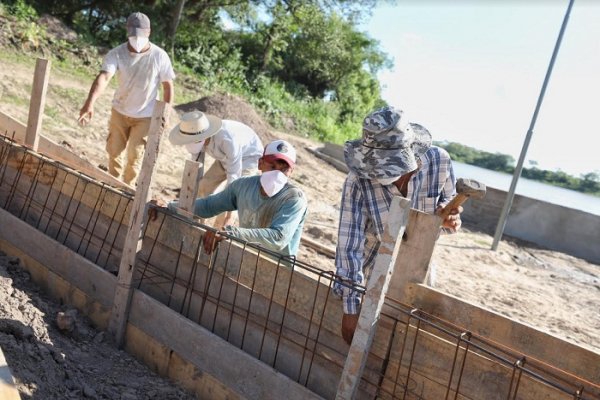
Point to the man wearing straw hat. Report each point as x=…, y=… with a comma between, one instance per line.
x=141, y=67
x=271, y=210
x=234, y=146
x=394, y=157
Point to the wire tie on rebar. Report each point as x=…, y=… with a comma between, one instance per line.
x=520, y=362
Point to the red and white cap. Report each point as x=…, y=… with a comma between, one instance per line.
x=280, y=150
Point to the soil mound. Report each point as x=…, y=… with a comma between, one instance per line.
x=227, y=106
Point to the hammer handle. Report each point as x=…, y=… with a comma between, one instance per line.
x=457, y=201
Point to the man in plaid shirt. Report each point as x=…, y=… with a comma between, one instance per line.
x=394, y=157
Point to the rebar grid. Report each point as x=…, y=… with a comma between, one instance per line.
x=397, y=373
x=247, y=295
x=77, y=211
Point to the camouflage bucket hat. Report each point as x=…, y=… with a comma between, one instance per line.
x=390, y=145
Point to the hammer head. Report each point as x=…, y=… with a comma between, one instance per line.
x=470, y=188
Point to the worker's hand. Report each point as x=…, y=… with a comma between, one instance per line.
x=349, y=322
x=153, y=207
x=452, y=221
x=85, y=114
x=210, y=240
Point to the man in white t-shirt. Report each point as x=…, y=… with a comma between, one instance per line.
x=141, y=67
x=234, y=146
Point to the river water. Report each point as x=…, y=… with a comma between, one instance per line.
x=529, y=188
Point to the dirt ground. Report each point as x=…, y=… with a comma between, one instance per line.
x=75, y=362
x=548, y=290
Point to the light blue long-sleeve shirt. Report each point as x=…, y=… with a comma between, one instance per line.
x=275, y=223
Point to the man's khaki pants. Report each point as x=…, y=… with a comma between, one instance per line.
x=216, y=175
x=126, y=133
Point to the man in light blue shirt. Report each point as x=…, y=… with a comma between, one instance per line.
x=271, y=210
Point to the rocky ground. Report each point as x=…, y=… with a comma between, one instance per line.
x=55, y=353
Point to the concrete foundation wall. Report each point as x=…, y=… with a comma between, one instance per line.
x=549, y=225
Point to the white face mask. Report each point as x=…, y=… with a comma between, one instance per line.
x=272, y=182
x=387, y=181
x=195, y=148
x=138, y=42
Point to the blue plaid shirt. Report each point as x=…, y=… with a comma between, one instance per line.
x=363, y=213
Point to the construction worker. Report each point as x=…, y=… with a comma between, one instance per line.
x=234, y=146
x=271, y=210
x=141, y=67
x=394, y=157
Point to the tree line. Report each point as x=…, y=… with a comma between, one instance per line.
x=586, y=183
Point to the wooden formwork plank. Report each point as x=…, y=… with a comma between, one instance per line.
x=412, y=263
x=12, y=128
x=373, y=300
x=67, y=264
x=134, y=237
x=192, y=173
x=237, y=370
x=47, y=147
x=520, y=337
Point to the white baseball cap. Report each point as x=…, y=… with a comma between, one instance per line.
x=280, y=150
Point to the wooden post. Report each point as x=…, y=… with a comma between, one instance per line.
x=377, y=286
x=412, y=263
x=133, y=239
x=192, y=173
x=37, y=102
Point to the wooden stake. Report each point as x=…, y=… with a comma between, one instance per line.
x=377, y=286
x=192, y=173
x=37, y=102
x=412, y=264
x=133, y=239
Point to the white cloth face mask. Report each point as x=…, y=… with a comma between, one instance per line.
x=138, y=42
x=387, y=181
x=195, y=148
x=273, y=181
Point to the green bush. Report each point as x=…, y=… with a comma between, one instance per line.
x=21, y=10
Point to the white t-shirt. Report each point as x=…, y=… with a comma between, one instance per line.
x=139, y=76
x=237, y=147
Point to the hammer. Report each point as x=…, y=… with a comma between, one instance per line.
x=465, y=188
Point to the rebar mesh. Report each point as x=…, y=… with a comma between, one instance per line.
x=418, y=344
x=273, y=307
x=77, y=211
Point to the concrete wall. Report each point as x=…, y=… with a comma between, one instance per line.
x=548, y=225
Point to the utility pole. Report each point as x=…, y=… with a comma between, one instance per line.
x=511, y=192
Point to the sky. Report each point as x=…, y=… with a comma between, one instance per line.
x=471, y=72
